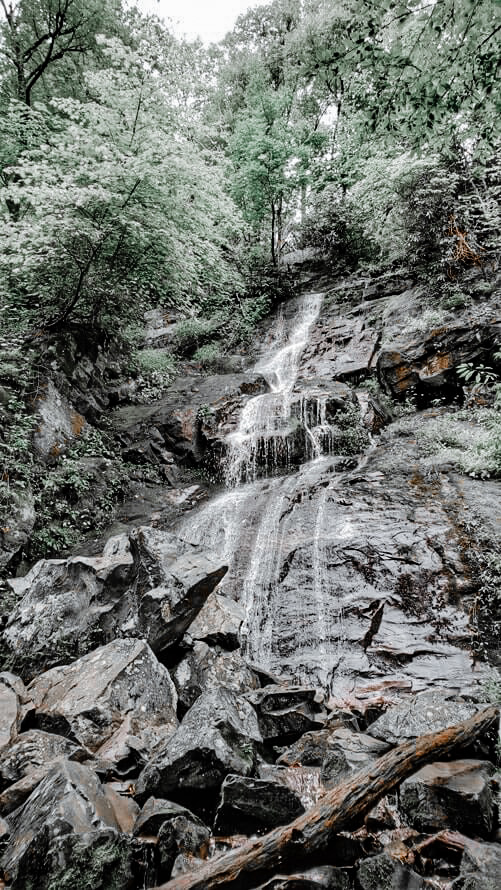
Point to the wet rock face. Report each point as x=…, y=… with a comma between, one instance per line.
x=118, y=701
x=454, y=795
x=150, y=585
x=254, y=805
x=217, y=736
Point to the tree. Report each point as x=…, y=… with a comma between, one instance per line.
x=118, y=206
x=37, y=35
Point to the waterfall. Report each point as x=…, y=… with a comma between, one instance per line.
x=247, y=523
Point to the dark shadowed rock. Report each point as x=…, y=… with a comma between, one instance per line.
x=324, y=877
x=428, y=712
x=427, y=363
x=385, y=873
x=12, y=692
x=286, y=712
x=217, y=736
x=150, y=585
x=118, y=701
x=453, y=795
x=204, y=668
x=251, y=805
x=60, y=829
x=218, y=622
x=181, y=834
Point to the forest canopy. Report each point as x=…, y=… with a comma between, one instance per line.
x=139, y=169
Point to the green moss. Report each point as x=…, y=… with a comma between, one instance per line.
x=102, y=866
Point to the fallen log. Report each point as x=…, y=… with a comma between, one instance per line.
x=339, y=809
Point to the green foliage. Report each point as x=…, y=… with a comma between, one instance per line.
x=155, y=360
x=210, y=357
x=479, y=374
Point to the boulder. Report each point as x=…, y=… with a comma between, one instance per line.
x=454, y=795
x=12, y=692
x=429, y=712
x=217, y=736
x=68, y=826
x=118, y=701
x=480, y=867
x=251, y=806
x=218, y=622
x=286, y=712
x=385, y=873
x=150, y=585
x=203, y=668
x=178, y=831
x=174, y=579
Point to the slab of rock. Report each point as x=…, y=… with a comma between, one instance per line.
x=304, y=781
x=67, y=824
x=218, y=622
x=428, y=712
x=118, y=701
x=151, y=585
x=251, y=806
x=203, y=668
x=455, y=795
x=12, y=692
x=287, y=712
x=385, y=873
x=324, y=877
x=217, y=736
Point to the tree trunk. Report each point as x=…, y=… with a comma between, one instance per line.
x=273, y=217
x=280, y=230
x=342, y=808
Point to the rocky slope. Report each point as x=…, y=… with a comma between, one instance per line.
x=229, y=654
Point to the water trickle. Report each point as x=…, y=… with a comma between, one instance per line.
x=246, y=525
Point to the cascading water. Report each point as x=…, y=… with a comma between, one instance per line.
x=246, y=524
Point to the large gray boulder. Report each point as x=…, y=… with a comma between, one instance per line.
x=428, y=712
x=68, y=827
x=218, y=622
x=480, y=867
x=118, y=701
x=217, y=736
x=149, y=585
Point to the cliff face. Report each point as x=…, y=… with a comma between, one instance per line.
x=310, y=577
